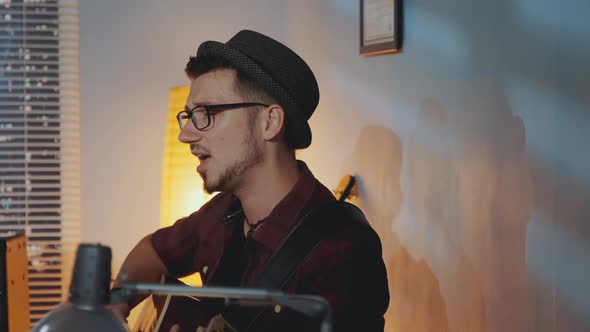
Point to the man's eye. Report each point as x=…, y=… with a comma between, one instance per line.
x=213, y=112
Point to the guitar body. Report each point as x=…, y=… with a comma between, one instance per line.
x=185, y=311
x=161, y=313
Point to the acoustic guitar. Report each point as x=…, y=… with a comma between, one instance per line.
x=161, y=313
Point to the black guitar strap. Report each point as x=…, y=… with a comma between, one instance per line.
x=305, y=236
x=315, y=226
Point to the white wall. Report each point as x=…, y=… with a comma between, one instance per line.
x=471, y=148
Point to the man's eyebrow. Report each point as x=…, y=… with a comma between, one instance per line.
x=188, y=109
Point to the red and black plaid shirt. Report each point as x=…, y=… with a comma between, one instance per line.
x=346, y=269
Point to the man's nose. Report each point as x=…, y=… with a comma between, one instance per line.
x=189, y=134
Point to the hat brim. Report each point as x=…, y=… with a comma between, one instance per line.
x=298, y=130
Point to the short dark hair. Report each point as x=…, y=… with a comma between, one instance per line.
x=244, y=84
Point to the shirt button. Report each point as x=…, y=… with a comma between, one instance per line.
x=277, y=308
x=205, y=268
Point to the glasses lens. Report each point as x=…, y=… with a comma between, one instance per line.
x=200, y=118
x=182, y=119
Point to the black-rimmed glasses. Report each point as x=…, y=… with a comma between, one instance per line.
x=201, y=115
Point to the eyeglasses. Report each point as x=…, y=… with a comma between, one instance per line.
x=201, y=115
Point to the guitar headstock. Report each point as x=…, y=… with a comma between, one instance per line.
x=347, y=189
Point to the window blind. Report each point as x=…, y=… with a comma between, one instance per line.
x=40, y=140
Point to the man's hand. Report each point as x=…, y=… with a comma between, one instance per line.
x=216, y=324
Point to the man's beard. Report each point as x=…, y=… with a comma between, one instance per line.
x=227, y=180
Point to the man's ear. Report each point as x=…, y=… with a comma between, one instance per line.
x=273, y=122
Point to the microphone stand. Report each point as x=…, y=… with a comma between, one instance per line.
x=89, y=294
x=310, y=305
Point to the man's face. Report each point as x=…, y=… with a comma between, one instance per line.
x=229, y=147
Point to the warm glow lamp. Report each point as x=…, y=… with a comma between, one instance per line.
x=182, y=187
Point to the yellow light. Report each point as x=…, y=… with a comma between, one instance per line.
x=182, y=187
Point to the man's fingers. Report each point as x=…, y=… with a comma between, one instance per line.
x=176, y=328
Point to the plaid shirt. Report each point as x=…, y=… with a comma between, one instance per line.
x=346, y=269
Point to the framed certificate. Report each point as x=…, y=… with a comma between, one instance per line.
x=380, y=26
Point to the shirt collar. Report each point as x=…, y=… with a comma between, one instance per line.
x=284, y=215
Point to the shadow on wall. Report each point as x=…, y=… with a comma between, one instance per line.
x=470, y=244
x=468, y=200
x=455, y=248
x=415, y=294
x=430, y=225
x=486, y=216
x=558, y=249
x=518, y=218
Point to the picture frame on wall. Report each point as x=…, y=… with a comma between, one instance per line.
x=380, y=27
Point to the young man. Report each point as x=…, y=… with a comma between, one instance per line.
x=247, y=112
